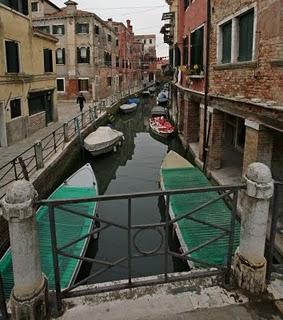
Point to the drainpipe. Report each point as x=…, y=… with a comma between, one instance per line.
x=206, y=88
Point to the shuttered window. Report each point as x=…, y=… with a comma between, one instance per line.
x=60, y=84
x=226, y=42
x=18, y=5
x=196, y=57
x=48, y=61
x=83, y=84
x=246, y=31
x=45, y=29
x=185, y=51
x=58, y=29
x=186, y=4
x=83, y=55
x=60, y=56
x=15, y=108
x=12, y=57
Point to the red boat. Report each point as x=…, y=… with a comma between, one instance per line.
x=161, y=126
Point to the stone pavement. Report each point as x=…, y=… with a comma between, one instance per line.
x=198, y=299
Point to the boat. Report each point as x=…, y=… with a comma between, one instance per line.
x=162, y=98
x=82, y=184
x=103, y=140
x=128, y=108
x=178, y=173
x=134, y=100
x=161, y=127
x=146, y=93
x=152, y=89
x=159, y=111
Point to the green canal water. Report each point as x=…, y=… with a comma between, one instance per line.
x=133, y=168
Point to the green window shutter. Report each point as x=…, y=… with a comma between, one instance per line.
x=63, y=52
x=246, y=31
x=77, y=28
x=78, y=55
x=12, y=57
x=226, y=42
x=185, y=51
x=87, y=28
x=25, y=7
x=196, y=51
x=87, y=55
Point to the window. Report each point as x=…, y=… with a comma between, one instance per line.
x=45, y=29
x=96, y=29
x=109, y=38
x=150, y=41
x=12, y=57
x=83, y=84
x=18, y=5
x=15, y=107
x=48, y=61
x=144, y=41
x=117, y=62
x=226, y=42
x=83, y=55
x=109, y=81
x=116, y=29
x=60, y=56
x=246, y=30
x=185, y=51
x=60, y=84
x=107, y=59
x=117, y=43
x=58, y=29
x=197, y=48
x=34, y=6
x=82, y=28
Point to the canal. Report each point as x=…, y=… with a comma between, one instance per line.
x=133, y=168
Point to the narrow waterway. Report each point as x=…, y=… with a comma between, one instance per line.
x=133, y=168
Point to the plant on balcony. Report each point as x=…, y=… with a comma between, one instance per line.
x=196, y=70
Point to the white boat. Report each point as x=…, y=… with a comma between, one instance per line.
x=127, y=108
x=103, y=140
x=146, y=93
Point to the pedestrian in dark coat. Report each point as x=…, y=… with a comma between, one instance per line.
x=81, y=100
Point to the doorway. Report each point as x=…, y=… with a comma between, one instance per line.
x=3, y=134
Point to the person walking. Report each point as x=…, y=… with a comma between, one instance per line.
x=81, y=100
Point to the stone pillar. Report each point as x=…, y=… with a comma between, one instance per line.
x=258, y=145
x=215, y=140
x=29, y=298
x=249, y=261
x=38, y=155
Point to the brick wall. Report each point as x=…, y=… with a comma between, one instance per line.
x=191, y=121
x=36, y=122
x=264, y=78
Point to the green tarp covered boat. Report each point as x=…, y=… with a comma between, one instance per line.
x=69, y=227
x=177, y=173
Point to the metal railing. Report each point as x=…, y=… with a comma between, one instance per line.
x=133, y=250
x=274, y=229
x=27, y=163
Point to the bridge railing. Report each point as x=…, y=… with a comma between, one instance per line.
x=133, y=231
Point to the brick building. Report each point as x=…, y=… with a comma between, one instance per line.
x=149, y=57
x=27, y=74
x=129, y=57
x=245, y=100
x=86, y=51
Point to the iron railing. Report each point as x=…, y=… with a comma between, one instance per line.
x=274, y=229
x=162, y=228
x=25, y=164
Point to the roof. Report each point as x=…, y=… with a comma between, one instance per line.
x=44, y=35
x=52, y=4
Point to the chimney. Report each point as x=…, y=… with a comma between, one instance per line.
x=71, y=7
x=128, y=23
x=110, y=19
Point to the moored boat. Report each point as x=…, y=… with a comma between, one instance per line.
x=160, y=126
x=128, y=108
x=162, y=98
x=134, y=100
x=159, y=111
x=103, y=140
x=146, y=93
x=69, y=227
x=178, y=173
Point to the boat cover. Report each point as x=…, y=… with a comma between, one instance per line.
x=102, y=138
x=131, y=106
x=134, y=100
x=159, y=111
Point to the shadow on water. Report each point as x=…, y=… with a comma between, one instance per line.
x=133, y=168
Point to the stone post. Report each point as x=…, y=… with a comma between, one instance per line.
x=249, y=261
x=29, y=297
x=38, y=155
x=66, y=132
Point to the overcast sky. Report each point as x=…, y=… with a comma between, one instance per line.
x=145, y=15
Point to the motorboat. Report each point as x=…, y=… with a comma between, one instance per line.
x=103, y=140
x=128, y=108
x=161, y=126
x=69, y=226
x=146, y=93
x=134, y=100
x=162, y=98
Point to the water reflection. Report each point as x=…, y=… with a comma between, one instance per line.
x=133, y=168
